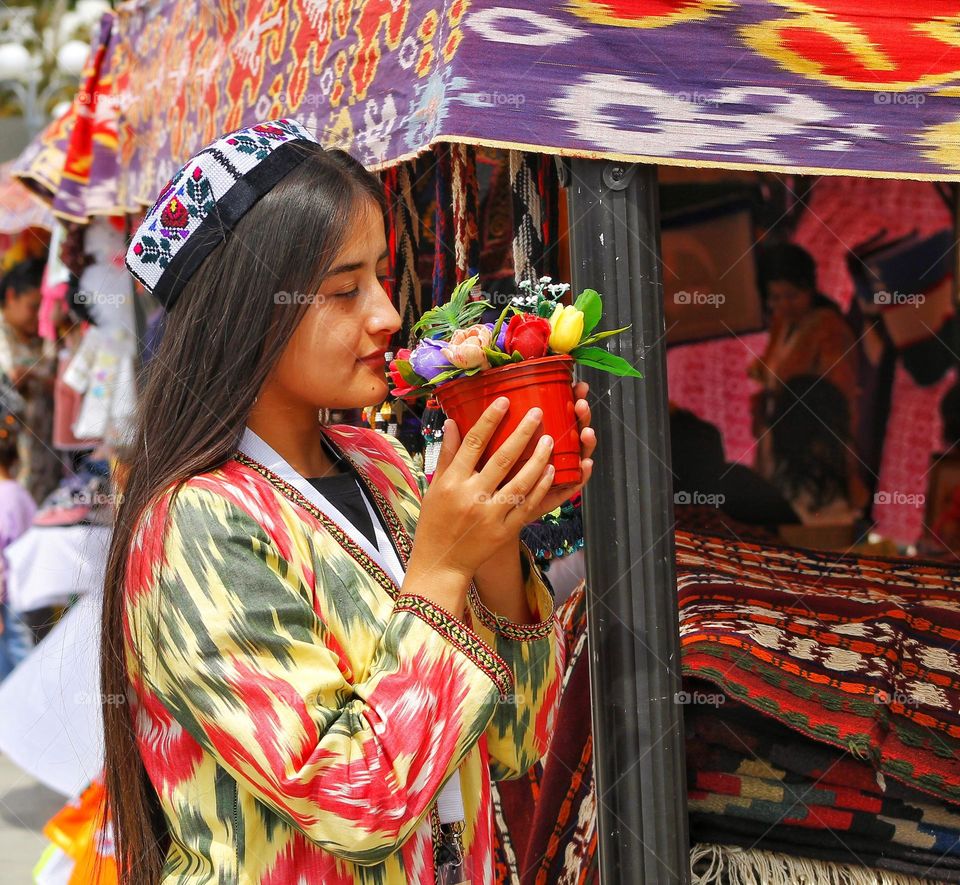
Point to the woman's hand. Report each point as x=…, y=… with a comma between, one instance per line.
x=466, y=512
x=588, y=442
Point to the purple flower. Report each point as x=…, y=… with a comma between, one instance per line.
x=427, y=359
x=502, y=337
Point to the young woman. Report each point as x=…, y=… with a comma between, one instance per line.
x=315, y=695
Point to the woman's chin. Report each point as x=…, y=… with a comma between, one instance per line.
x=375, y=394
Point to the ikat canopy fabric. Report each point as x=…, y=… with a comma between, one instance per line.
x=800, y=85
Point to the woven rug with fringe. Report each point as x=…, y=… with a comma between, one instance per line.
x=854, y=652
x=756, y=783
x=848, y=653
x=729, y=865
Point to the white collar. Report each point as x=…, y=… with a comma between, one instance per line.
x=382, y=554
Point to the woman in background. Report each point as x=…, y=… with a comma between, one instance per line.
x=808, y=337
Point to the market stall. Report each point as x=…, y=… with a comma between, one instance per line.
x=421, y=90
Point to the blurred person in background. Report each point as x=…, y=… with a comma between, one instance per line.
x=808, y=336
x=941, y=538
x=32, y=371
x=16, y=514
x=811, y=436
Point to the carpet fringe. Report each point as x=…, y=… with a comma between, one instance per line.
x=730, y=865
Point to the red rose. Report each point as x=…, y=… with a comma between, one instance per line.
x=175, y=214
x=400, y=386
x=528, y=335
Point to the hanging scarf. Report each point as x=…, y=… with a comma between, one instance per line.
x=465, y=197
x=404, y=249
x=443, y=254
x=527, y=216
x=548, y=186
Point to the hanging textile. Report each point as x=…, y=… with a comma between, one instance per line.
x=496, y=214
x=443, y=254
x=406, y=225
x=527, y=216
x=465, y=197
x=548, y=185
x=389, y=179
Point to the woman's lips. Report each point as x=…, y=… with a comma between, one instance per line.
x=375, y=361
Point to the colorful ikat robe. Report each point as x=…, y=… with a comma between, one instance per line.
x=296, y=712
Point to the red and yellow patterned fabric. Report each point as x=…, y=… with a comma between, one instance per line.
x=296, y=711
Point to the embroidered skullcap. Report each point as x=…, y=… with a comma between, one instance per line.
x=201, y=203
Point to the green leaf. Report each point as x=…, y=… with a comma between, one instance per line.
x=405, y=368
x=445, y=376
x=546, y=308
x=601, y=335
x=462, y=292
x=598, y=358
x=458, y=313
x=434, y=319
x=500, y=321
x=496, y=358
x=516, y=357
x=591, y=304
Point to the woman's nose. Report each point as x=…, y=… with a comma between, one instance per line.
x=385, y=320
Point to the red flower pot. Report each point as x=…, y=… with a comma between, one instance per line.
x=545, y=382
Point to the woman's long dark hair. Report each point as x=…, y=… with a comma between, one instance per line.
x=811, y=433
x=221, y=341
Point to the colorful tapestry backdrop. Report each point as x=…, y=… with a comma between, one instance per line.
x=710, y=378
x=871, y=89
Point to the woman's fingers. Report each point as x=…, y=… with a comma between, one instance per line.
x=532, y=507
x=475, y=442
x=448, y=447
x=501, y=462
x=516, y=492
x=588, y=442
x=581, y=409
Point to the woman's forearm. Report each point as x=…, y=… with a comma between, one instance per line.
x=500, y=584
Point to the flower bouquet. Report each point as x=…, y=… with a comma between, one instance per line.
x=527, y=356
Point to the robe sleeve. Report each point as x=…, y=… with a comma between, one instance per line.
x=519, y=733
x=222, y=632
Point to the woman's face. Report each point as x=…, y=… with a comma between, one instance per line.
x=787, y=300
x=335, y=359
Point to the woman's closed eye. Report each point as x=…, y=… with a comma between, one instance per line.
x=383, y=279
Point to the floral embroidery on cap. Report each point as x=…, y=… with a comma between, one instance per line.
x=175, y=214
x=192, y=194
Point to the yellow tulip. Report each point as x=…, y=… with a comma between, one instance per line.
x=566, y=328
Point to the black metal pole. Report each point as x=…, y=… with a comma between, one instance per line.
x=628, y=524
